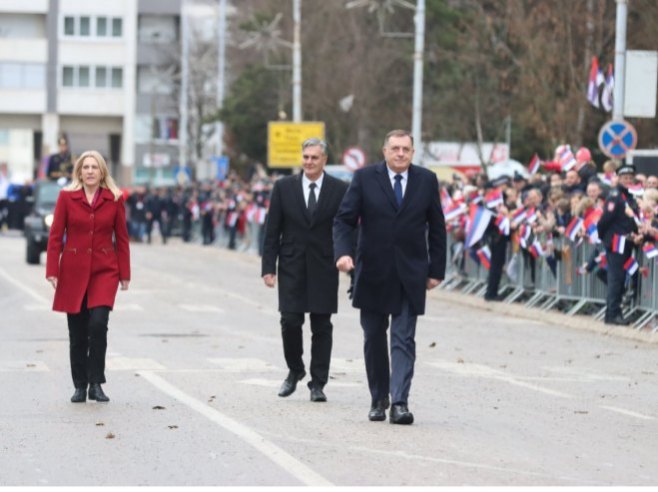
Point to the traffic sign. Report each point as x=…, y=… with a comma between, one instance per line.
x=284, y=141
x=354, y=158
x=616, y=138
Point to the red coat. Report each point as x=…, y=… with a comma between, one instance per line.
x=87, y=261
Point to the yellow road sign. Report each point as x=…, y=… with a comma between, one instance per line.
x=284, y=141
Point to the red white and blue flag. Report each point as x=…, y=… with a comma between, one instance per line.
x=566, y=159
x=479, y=218
x=484, y=255
x=536, y=250
x=618, y=243
x=574, y=227
x=493, y=198
x=534, y=164
x=503, y=224
x=594, y=82
x=524, y=235
x=518, y=216
x=454, y=211
x=650, y=250
x=607, y=99
x=531, y=216
x=631, y=266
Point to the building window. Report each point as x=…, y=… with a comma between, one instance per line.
x=101, y=26
x=101, y=77
x=34, y=76
x=85, y=26
x=69, y=26
x=117, y=77
x=117, y=27
x=67, y=77
x=157, y=29
x=83, y=77
x=165, y=128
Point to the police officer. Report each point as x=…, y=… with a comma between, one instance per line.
x=60, y=165
x=618, y=219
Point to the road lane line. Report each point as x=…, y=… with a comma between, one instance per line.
x=629, y=413
x=286, y=461
x=32, y=293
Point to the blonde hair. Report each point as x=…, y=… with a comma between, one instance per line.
x=106, y=180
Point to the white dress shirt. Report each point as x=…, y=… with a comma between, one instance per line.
x=307, y=191
x=403, y=181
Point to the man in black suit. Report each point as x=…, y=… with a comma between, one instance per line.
x=401, y=253
x=298, y=233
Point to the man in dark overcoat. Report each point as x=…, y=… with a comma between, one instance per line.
x=298, y=234
x=401, y=253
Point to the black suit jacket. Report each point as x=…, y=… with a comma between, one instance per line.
x=307, y=274
x=397, y=248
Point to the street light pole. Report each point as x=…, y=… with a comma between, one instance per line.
x=185, y=68
x=419, y=46
x=221, y=69
x=297, y=62
x=620, y=61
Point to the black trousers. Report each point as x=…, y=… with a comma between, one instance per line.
x=88, y=344
x=616, y=281
x=321, y=342
x=498, y=254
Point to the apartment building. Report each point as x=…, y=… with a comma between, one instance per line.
x=100, y=72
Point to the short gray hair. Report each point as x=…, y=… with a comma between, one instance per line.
x=315, y=142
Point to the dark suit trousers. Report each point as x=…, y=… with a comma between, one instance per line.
x=88, y=344
x=321, y=341
x=397, y=380
x=616, y=281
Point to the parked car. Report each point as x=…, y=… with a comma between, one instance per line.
x=38, y=221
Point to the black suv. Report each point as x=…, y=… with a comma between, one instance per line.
x=38, y=222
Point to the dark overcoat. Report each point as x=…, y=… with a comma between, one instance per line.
x=302, y=245
x=81, y=252
x=397, y=248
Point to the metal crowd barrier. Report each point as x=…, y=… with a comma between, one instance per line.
x=567, y=288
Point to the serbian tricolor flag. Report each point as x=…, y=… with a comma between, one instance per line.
x=595, y=80
x=524, y=235
x=503, y=224
x=607, y=97
x=636, y=189
x=574, y=227
x=631, y=266
x=566, y=159
x=534, y=164
x=479, y=218
x=454, y=211
x=536, y=249
x=518, y=216
x=618, y=243
x=531, y=216
x=650, y=250
x=484, y=255
x=593, y=234
x=493, y=198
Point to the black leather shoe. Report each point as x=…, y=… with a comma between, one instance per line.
x=617, y=321
x=80, y=395
x=400, y=414
x=317, y=394
x=377, y=411
x=96, y=393
x=290, y=383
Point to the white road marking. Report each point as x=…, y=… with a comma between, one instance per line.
x=32, y=293
x=486, y=372
x=200, y=308
x=629, y=413
x=23, y=365
x=277, y=455
x=245, y=364
x=131, y=364
x=584, y=375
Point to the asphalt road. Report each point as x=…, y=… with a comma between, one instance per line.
x=195, y=362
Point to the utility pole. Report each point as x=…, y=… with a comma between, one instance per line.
x=221, y=69
x=620, y=60
x=419, y=46
x=297, y=62
x=185, y=69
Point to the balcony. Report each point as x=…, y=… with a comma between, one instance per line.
x=24, y=50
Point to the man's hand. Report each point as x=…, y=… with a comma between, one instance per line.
x=345, y=264
x=269, y=279
x=124, y=284
x=432, y=282
x=53, y=281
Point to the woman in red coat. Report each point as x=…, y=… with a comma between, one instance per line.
x=88, y=257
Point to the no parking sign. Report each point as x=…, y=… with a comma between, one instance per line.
x=354, y=158
x=616, y=138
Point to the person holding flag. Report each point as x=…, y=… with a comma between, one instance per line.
x=618, y=230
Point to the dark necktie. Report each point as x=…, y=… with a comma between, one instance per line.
x=312, y=200
x=397, y=189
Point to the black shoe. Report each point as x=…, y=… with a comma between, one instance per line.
x=80, y=395
x=377, y=411
x=96, y=393
x=317, y=394
x=617, y=320
x=290, y=383
x=496, y=298
x=400, y=414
